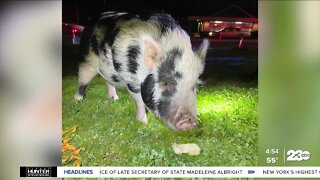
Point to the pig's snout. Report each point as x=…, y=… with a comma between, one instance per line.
x=184, y=120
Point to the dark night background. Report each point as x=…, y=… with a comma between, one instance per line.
x=86, y=12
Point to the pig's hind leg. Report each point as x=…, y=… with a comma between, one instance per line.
x=87, y=71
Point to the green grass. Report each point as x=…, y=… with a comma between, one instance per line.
x=227, y=134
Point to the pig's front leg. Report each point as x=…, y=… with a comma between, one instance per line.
x=112, y=92
x=140, y=108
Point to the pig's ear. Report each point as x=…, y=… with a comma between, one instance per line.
x=152, y=53
x=202, y=50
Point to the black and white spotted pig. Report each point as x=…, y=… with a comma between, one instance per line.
x=151, y=56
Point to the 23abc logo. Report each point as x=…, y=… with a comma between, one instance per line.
x=298, y=155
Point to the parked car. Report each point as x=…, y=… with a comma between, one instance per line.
x=207, y=34
x=231, y=32
x=74, y=39
x=71, y=34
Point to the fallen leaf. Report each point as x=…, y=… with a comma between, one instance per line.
x=77, y=163
x=65, y=158
x=68, y=147
x=69, y=131
x=66, y=141
x=72, y=157
x=75, y=157
x=76, y=152
x=191, y=149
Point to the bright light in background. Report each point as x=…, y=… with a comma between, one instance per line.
x=217, y=21
x=210, y=33
x=215, y=107
x=254, y=27
x=74, y=30
x=238, y=22
x=228, y=100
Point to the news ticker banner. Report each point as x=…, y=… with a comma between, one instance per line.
x=173, y=172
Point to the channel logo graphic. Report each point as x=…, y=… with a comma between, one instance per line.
x=298, y=155
x=251, y=171
x=38, y=171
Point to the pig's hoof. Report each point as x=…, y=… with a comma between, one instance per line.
x=78, y=97
x=114, y=97
x=143, y=119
